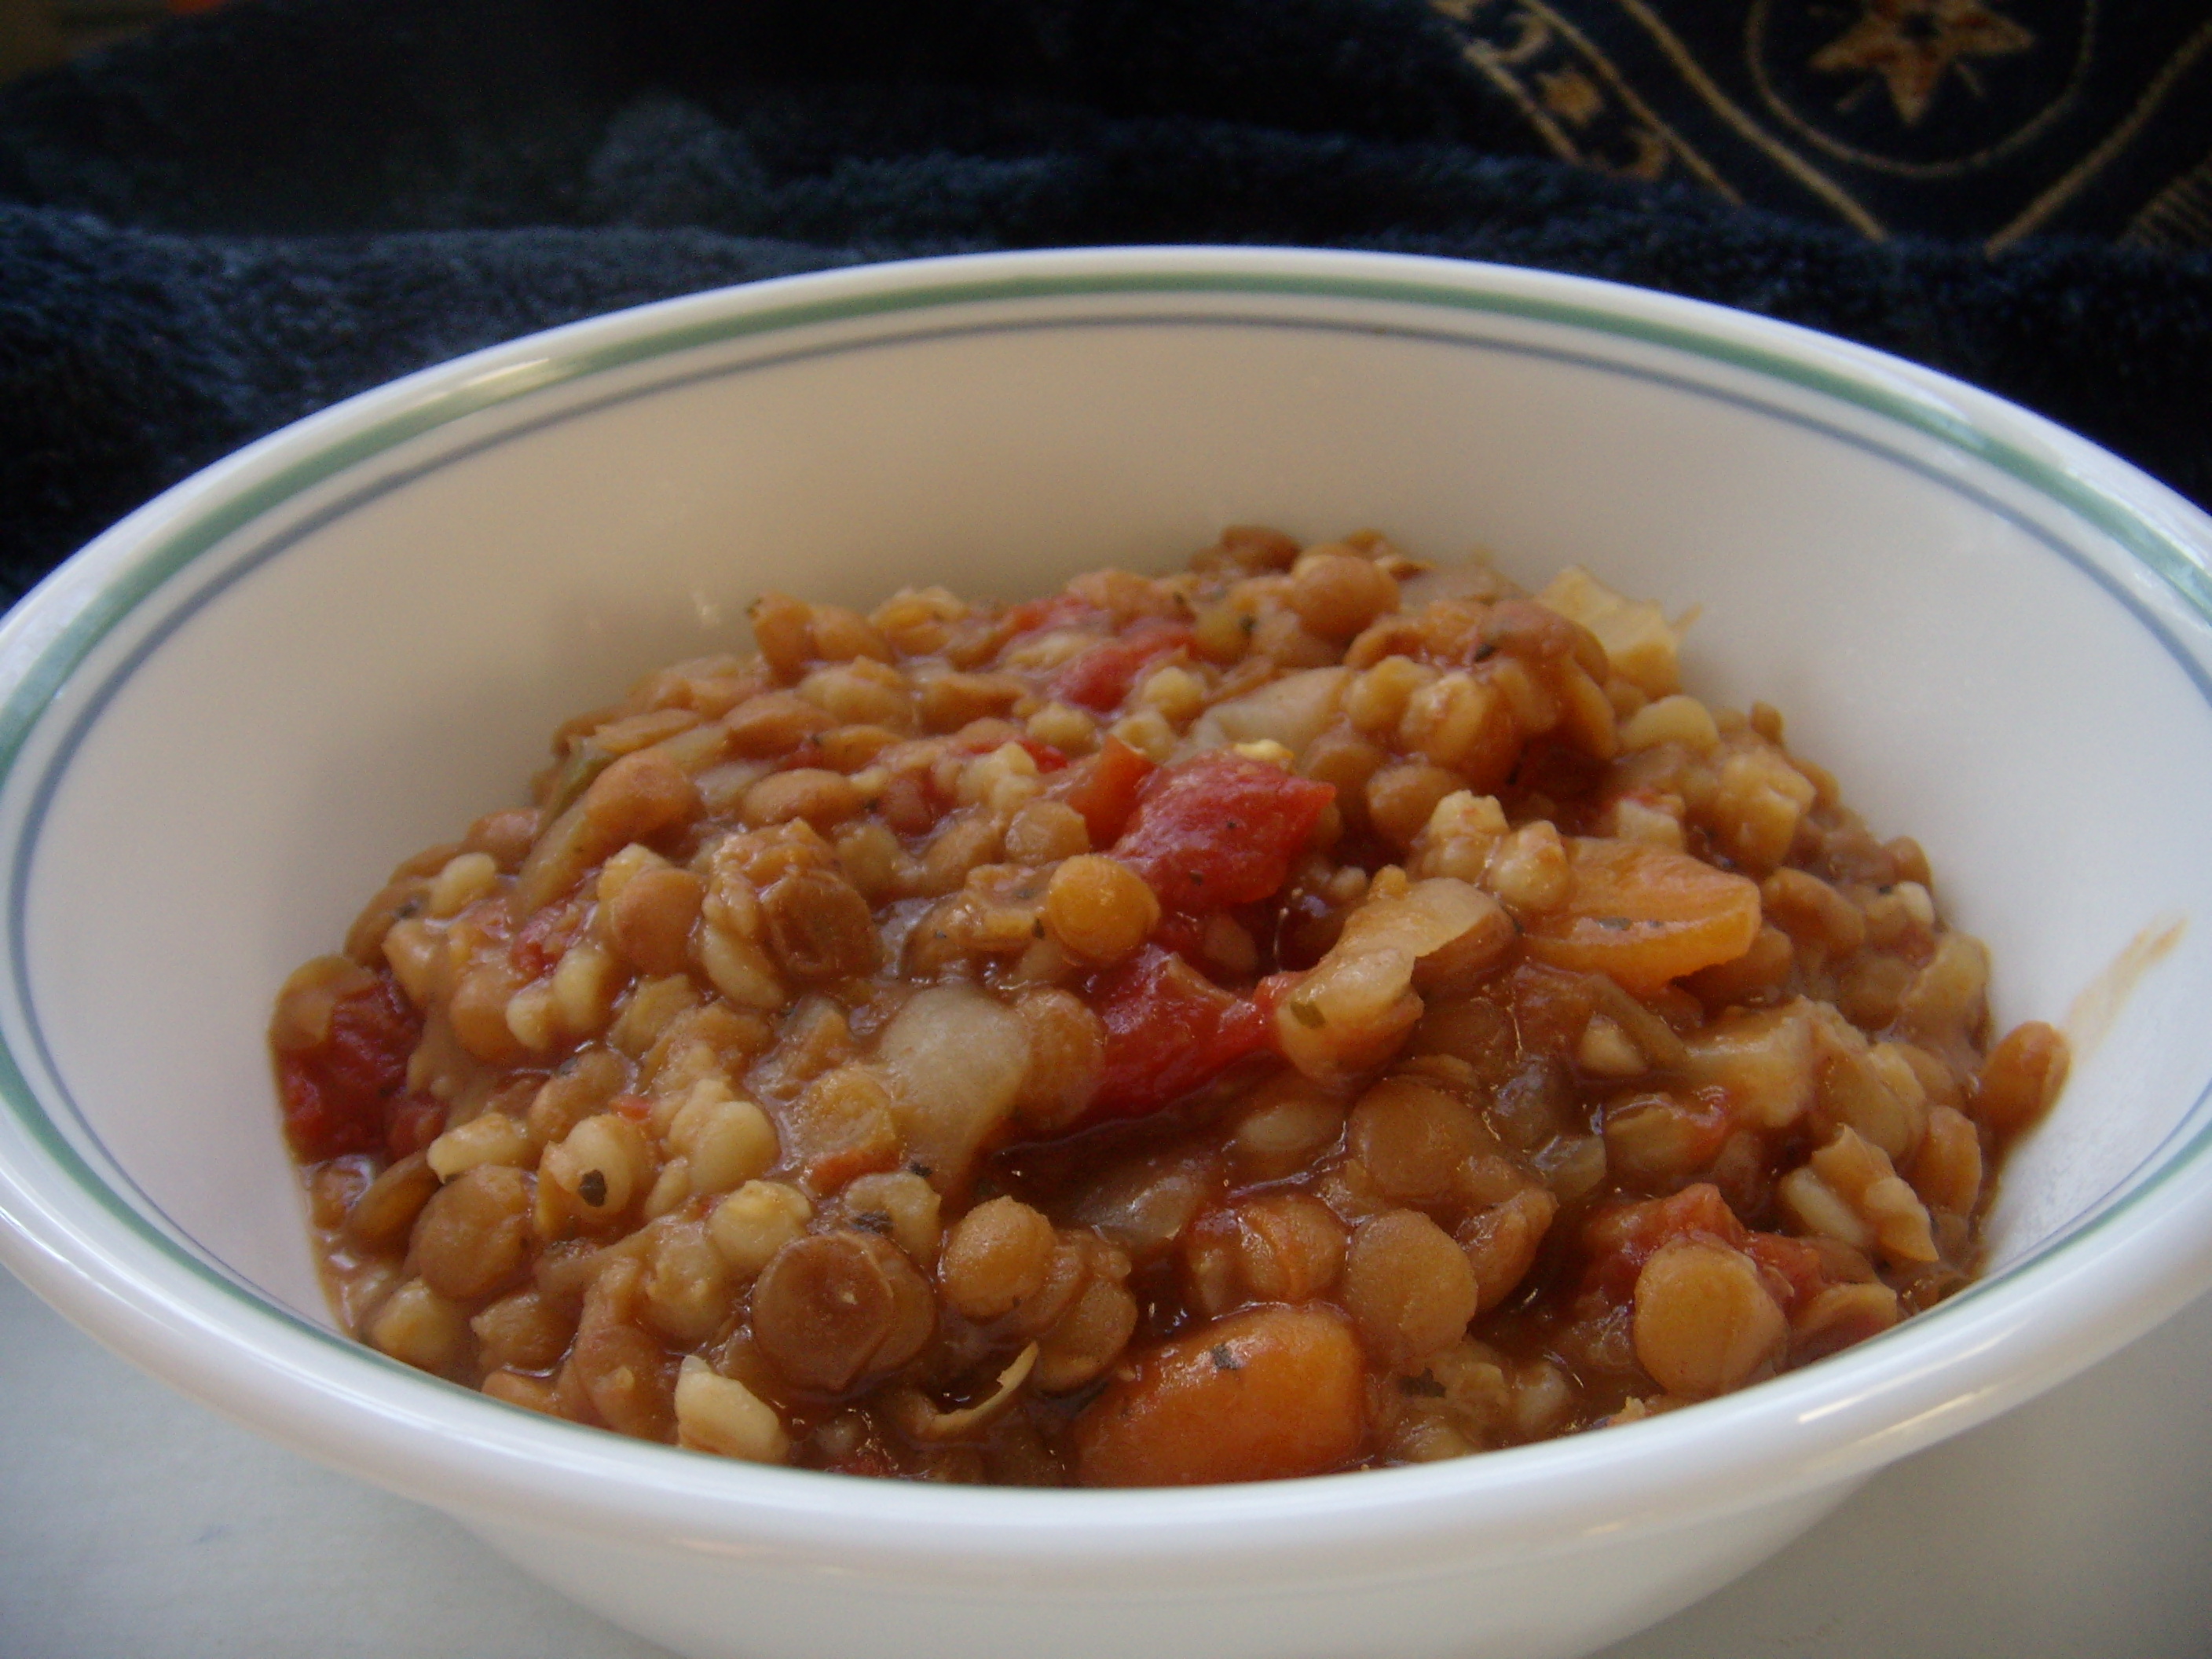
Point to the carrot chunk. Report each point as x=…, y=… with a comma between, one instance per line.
x=1260, y=1396
x=1642, y=915
x=1101, y=677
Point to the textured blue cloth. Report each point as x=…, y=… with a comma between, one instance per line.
x=219, y=227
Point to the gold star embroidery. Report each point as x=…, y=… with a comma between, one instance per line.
x=1913, y=44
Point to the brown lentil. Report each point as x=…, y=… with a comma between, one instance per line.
x=1099, y=907
x=999, y=1254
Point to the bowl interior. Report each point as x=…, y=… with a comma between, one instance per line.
x=382, y=649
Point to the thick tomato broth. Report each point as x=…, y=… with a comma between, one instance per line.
x=1303, y=1013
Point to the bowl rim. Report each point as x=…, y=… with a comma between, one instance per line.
x=109, y=1269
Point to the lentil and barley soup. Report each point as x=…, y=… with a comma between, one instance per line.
x=1307, y=1013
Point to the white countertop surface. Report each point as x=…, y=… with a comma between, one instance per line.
x=134, y=1523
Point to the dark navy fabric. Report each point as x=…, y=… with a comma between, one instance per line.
x=218, y=228
x=1984, y=120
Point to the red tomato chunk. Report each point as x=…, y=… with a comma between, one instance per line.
x=1102, y=676
x=340, y=1096
x=1220, y=829
x=1169, y=1030
x=1104, y=790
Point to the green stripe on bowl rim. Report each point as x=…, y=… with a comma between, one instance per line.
x=2172, y=560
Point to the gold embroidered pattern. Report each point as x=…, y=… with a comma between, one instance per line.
x=1702, y=84
x=1913, y=45
x=2041, y=209
x=2009, y=128
x=1955, y=114
x=1575, y=98
x=2179, y=217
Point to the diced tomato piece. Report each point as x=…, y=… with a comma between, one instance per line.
x=1185, y=935
x=1220, y=829
x=1169, y=1030
x=337, y=1093
x=1621, y=1237
x=1104, y=789
x=1101, y=677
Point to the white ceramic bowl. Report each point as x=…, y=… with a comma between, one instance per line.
x=227, y=717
